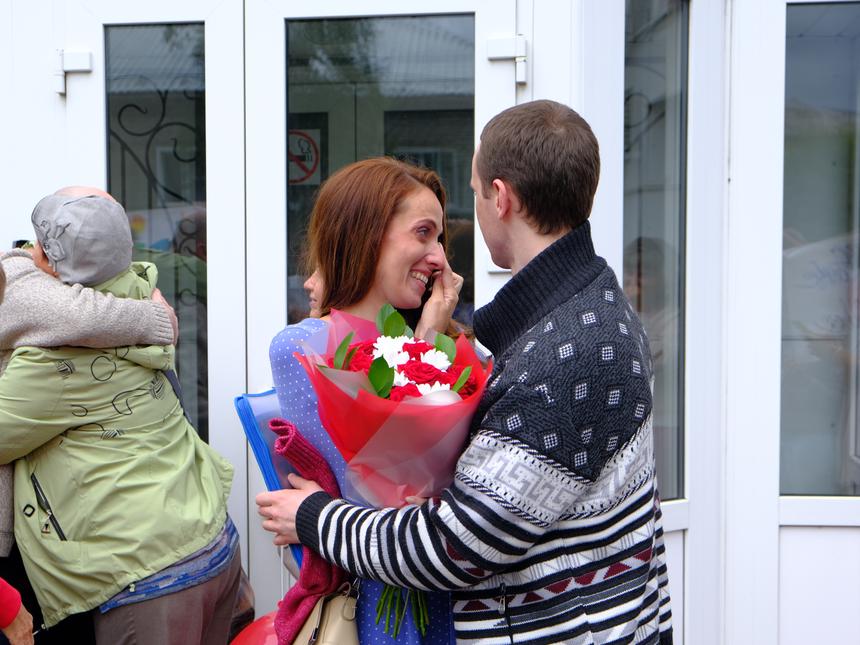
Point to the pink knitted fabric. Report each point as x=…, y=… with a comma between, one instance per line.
x=317, y=577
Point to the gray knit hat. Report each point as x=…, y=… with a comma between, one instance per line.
x=86, y=239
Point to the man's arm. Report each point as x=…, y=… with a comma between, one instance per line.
x=40, y=310
x=470, y=533
x=504, y=498
x=30, y=391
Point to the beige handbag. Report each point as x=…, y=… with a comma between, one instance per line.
x=332, y=622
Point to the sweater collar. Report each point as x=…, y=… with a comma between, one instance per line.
x=552, y=277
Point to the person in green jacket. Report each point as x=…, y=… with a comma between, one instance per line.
x=120, y=507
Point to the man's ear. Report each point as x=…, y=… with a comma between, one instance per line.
x=507, y=200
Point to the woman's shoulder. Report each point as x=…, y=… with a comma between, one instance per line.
x=292, y=336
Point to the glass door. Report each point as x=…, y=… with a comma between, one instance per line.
x=157, y=121
x=327, y=85
x=793, y=520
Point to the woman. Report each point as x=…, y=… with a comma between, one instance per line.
x=376, y=236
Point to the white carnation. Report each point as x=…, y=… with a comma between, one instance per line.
x=400, y=379
x=427, y=388
x=437, y=359
x=391, y=349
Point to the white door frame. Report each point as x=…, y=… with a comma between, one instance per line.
x=755, y=512
x=81, y=25
x=704, y=379
x=265, y=86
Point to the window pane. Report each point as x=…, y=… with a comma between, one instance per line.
x=655, y=102
x=402, y=86
x=156, y=103
x=820, y=443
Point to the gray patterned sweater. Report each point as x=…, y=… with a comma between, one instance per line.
x=551, y=530
x=41, y=311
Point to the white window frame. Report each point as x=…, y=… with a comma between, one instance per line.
x=754, y=509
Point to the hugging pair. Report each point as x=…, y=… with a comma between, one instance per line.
x=550, y=531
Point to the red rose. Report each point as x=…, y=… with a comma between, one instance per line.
x=362, y=358
x=419, y=372
x=471, y=384
x=360, y=362
x=398, y=392
x=416, y=349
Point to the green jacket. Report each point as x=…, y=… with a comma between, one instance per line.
x=112, y=483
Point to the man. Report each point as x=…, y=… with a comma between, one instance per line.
x=551, y=530
x=120, y=507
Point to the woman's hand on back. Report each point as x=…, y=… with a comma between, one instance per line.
x=439, y=308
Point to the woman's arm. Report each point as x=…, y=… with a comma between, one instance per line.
x=40, y=310
x=15, y=621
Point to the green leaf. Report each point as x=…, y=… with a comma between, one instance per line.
x=340, y=353
x=464, y=376
x=385, y=311
x=395, y=325
x=381, y=377
x=349, y=357
x=409, y=333
x=447, y=346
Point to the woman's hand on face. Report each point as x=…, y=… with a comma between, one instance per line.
x=439, y=308
x=279, y=508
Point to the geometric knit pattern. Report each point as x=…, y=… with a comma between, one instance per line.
x=576, y=386
x=551, y=530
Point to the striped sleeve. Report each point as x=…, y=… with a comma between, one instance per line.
x=665, y=611
x=481, y=525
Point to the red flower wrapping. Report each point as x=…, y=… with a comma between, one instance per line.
x=404, y=445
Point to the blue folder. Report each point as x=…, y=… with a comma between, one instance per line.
x=255, y=411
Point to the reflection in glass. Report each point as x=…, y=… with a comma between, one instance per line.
x=654, y=211
x=820, y=441
x=157, y=170
x=401, y=86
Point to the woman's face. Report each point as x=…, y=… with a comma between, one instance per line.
x=411, y=252
x=313, y=287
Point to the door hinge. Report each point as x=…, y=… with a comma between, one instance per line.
x=510, y=48
x=70, y=62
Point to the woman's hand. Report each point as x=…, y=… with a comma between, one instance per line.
x=439, y=308
x=20, y=630
x=279, y=508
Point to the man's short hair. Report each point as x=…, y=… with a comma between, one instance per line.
x=549, y=156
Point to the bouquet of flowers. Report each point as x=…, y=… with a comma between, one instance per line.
x=399, y=410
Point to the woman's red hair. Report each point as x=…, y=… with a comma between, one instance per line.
x=349, y=219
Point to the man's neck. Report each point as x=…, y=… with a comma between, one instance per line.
x=529, y=244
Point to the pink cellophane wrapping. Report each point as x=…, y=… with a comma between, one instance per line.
x=392, y=449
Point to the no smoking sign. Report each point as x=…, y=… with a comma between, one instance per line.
x=303, y=155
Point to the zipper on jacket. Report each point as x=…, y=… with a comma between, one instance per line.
x=46, y=506
x=503, y=610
